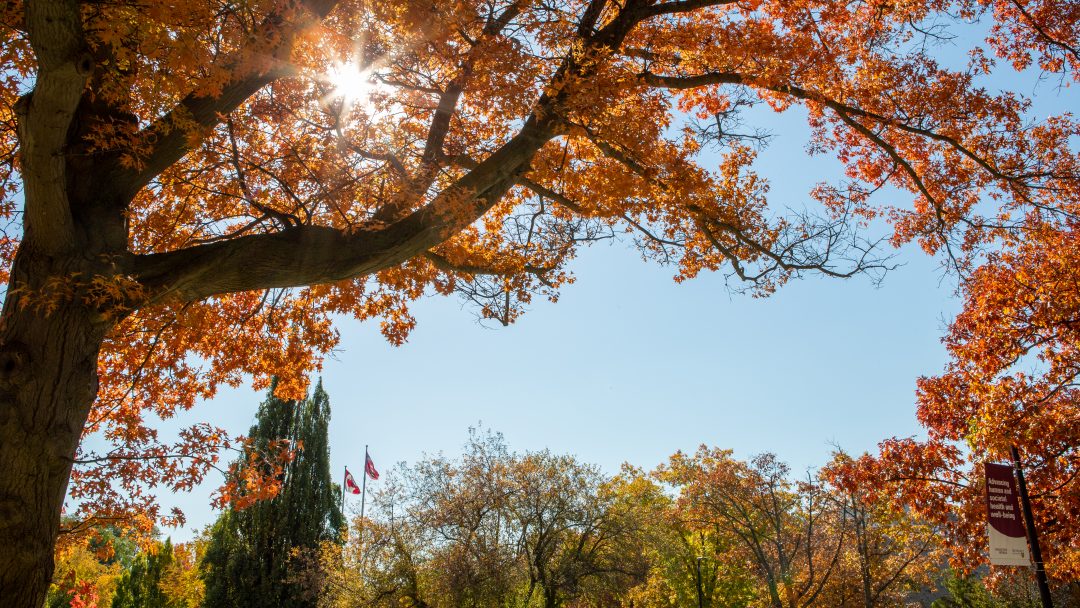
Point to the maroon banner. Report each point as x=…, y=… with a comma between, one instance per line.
x=1004, y=522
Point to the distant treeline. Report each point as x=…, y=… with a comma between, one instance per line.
x=503, y=529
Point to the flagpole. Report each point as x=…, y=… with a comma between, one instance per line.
x=343, y=478
x=363, y=493
x=1032, y=536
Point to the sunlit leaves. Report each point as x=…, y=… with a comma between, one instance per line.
x=615, y=123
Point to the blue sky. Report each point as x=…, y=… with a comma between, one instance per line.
x=629, y=366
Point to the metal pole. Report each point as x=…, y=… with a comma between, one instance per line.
x=1033, y=537
x=360, y=525
x=700, y=595
x=363, y=495
x=343, y=478
x=363, y=488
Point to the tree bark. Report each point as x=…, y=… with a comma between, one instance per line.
x=859, y=518
x=49, y=345
x=48, y=383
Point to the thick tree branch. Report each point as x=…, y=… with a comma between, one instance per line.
x=683, y=6
x=305, y=255
x=171, y=133
x=44, y=119
x=444, y=113
x=438, y=129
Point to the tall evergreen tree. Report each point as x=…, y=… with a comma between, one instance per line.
x=140, y=586
x=249, y=562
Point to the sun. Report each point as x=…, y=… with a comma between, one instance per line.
x=352, y=83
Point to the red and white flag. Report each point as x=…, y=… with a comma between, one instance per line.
x=350, y=483
x=369, y=467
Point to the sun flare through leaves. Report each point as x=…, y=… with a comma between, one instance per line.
x=354, y=86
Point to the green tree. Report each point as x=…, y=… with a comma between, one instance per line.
x=249, y=560
x=140, y=587
x=966, y=592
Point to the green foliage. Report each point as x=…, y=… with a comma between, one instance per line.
x=249, y=561
x=966, y=592
x=971, y=592
x=115, y=546
x=140, y=587
x=672, y=549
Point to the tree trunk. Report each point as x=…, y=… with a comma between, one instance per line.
x=49, y=343
x=859, y=518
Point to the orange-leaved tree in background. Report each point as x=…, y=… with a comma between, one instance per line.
x=204, y=185
x=1011, y=382
x=791, y=534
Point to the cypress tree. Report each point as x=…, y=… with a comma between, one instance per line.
x=140, y=587
x=249, y=560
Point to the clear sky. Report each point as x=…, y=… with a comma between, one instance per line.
x=629, y=366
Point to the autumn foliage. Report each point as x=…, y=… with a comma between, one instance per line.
x=495, y=527
x=202, y=192
x=500, y=528
x=1010, y=382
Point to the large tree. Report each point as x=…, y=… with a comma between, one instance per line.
x=1011, y=382
x=792, y=533
x=196, y=187
x=889, y=553
x=140, y=586
x=251, y=555
x=676, y=551
x=493, y=528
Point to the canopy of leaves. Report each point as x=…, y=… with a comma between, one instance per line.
x=141, y=585
x=236, y=174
